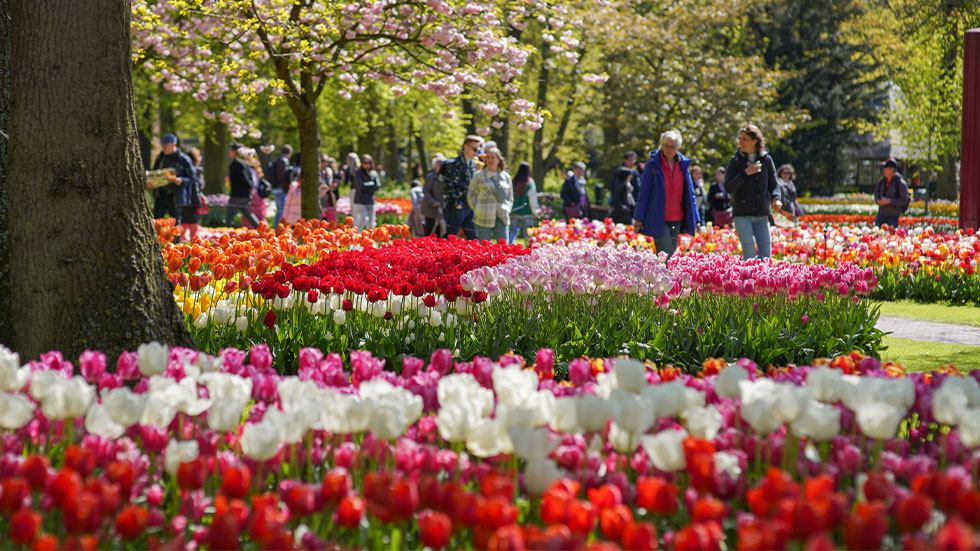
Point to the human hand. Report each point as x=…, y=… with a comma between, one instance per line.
x=883, y=201
x=753, y=168
x=777, y=204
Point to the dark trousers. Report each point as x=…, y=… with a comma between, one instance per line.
x=242, y=204
x=164, y=204
x=429, y=227
x=890, y=220
x=457, y=218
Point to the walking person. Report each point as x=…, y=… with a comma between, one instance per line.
x=629, y=163
x=750, y=179
x=522, y=215
x=455, y=176
x=189, y=216
x=700, y=195
x=240, y=196
x=574, y=197
x=365, y=182
x=169, y=199
x=492, y=195
x=432, y=201
x=280, y=175
x=666, y=207
x=719, y=202
x=261, y=189
x=791, y=203
x=329, y=182
x=891, y=194
x=416, y=220
x=622, y=203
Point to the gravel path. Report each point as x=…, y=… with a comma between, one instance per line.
x=948, y=333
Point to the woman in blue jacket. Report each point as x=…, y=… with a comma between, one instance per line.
x=666, y=207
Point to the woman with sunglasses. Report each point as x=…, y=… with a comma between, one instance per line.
x=365, y=182
x=784, y=177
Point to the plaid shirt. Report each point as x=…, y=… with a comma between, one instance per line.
x=454, y=180
x=492, y=196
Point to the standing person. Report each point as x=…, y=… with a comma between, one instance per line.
x=891, y=194
x=258, y=203
x=931, y=189
x=328, y=188
x=432, y=201
x=574, y=198
x=416, y=220
x=719, y=203
x=666, y=207
x=170, y=198
x=750, y=178
x=348, y=172
x=700, y=196
x=525, y=203
x=791, y=203
x=240, y=197
x=366, y=182
x=622, y=203
x=280, y=175
x=189, y=216
x=492, y=195
x=455, y=176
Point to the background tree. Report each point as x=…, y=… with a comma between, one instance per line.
x=831, y=76
x=88, y=273
x=6, y=325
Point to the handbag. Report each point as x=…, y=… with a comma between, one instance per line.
x=572, y=211
x=264, y=188
x=722, y=217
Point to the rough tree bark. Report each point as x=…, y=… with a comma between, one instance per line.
x=6, y=326
x=85, y=263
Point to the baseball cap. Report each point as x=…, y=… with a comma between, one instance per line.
x=168, y=138
x=578, y=164
x=890, y=163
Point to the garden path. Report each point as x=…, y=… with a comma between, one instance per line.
x=948, y=333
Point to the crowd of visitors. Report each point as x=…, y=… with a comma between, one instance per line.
x=473, y=193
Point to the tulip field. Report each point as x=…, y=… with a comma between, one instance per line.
x=368, y=390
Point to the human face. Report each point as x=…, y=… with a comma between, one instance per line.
x=579, y=172
x=746, y=144
x=696, y=174
x=471, y=150
x=788, y=175
x=169, y=148
x=232, y=153
x=628, y=162
x=669, y=149
x=493, y=162
x=368, y=164
x=889, y=172
x=720, y=176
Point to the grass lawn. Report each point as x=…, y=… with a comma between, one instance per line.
x=924, y=356
x=962, y=315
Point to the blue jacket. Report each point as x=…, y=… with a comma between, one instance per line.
x=651, y=203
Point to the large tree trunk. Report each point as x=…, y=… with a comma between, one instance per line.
x=6, y=326
x=84, y=258
x=215, y=157
x=309, y=163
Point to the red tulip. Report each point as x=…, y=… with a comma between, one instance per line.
x=497, y=511
x=13, y=493
x=878, y=488
x=403, y=500
x=34, y=469
x=507, y=538
x=301, y=501
x=969, y=506
x=349, y=511
x=107, y=493
x=25, y=526
x=698, y=536
x=131, y=522
x=580, y=516
x=80, y=459
x=80, y=543
x=605, y=496
x=657, y=495
x=708, y=509
x=267, y=518
x=760, y=535
x=46, y=542
x=639, y=536
x=65, y=487
x=191, y=474
x=269, y=319
x=227, y=524
x=866, y=527
x=956, y=535
x=496, y=484
x=913, y=512
x=235, y=482
x=82, y=514
x=336, y=484
x=435, y=528
x=121, y=473
x=612, y=521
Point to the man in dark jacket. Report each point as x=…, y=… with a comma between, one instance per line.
x=170, y=198
x=280, y=176
x=891, y=194
x=574, y=197
x=432, y=200
x=454, y=182
x=241, y=189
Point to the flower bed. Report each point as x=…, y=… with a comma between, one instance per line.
x=598, y=232
x=479, y=298
x=225, y=453
x=943, y=224
x=863, y=203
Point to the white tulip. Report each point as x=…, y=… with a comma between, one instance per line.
x=666, y=450
x=15, y=411
x=41, y=381
x=949, y=403
x=897, y=392
x=668, y=399
x=791, y=401
x=703, y=422
x=539, y=474
x=435, y=318
x=379, y=389
x=968, y=385
x=820, y=422
x=178, y=452
x=345, y=414
x=592, y=412
x=241, y=324
x=225, y=414
x=759, y=389
x=605, y=384
x=463, y=388
x=726, y=385
x=728, y=464
x=879, y=420
x=630, y=374
x=99, y=422
x=67, y=399
x=513, y=385
x=227, y=385
x=824, y=384
x=13, y=377
x=260, y=441
x=564, y=416
x=292, y=389
x=388, y=419
x=633, y=413
x=201, y=321
x=124, y=406
x=970, y=428
x=623, y=441
x=488, y=438
x=182, y=395
x=292, y=424
x=760, y=415
x=158, y=411
x=151, y=358
x=454, y=422
x=531, y=444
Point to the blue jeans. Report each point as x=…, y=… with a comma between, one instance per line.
x=280, y=196
x=667, y=242
x=457, y=218
x=753, y=234
x=890, y=220
x=518, y=226
x=498, y=231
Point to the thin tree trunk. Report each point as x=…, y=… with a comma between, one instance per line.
x=395, y=172
x=166, y=110
x=87, y=266
x=423, y=158
x=6, y=325
x=215, y=157
x=309, y=145
x=538, y=170
x=469, y=113
x=502, y=138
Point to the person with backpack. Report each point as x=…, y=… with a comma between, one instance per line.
x=240, y=196
x=366, y=183
x=280, y=175
x=525, y=203
x=171, y=198
x=891, y=194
